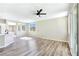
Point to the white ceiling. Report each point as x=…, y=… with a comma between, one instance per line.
x=27, y=11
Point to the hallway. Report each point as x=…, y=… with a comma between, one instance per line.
x=36, y=47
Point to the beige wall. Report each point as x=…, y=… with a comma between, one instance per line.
x=54, y=29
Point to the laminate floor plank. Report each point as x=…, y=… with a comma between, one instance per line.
x=36, y=47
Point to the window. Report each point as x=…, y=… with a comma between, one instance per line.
x=32, y=26
x=23, y=27
x=18, y=28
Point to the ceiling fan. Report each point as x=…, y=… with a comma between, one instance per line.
x=39, y=12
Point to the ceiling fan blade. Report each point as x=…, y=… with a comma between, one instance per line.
x=37, y=11
x=40, y=10
x=42, y=13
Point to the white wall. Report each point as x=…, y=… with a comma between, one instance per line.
x=54, y=29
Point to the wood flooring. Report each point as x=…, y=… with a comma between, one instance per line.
x=36, y=47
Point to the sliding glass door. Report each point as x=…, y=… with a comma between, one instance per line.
x=74, y=30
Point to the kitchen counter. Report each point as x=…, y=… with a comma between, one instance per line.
x=2, y=34
x=2, y=39
x=6, y=39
